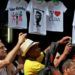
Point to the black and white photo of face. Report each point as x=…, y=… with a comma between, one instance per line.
x=38, y=17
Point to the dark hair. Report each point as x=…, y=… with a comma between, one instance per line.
x=38, y=13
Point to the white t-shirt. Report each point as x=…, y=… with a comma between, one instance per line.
x=38, y=11
x=74, y=19
x=17, y=14
x=3, y=71
x=73, y=35
x=55, y=18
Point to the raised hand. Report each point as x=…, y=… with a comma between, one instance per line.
x=64, y=40
x=21, y=38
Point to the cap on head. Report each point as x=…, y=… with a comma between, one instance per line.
x=27, y=45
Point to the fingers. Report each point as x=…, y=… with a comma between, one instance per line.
x=20, y=34
x=68, y=47
x=67, y=38
x=22, y=37
x=23, y=34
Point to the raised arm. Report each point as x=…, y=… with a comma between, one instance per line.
x=11, y=55
x=66, y=51
x=63, y=40
x=52, y=49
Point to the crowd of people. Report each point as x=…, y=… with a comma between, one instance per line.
x=32, y=61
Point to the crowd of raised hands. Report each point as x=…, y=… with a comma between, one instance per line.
x=6, y=60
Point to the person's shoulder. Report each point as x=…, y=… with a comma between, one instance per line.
x=38, y=66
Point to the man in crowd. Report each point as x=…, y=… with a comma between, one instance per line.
x=6, y=67
x=69, y=67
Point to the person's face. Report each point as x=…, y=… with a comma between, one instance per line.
x=34, y=51
x=2, y=50
x=38, y=17
x=70, y=70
